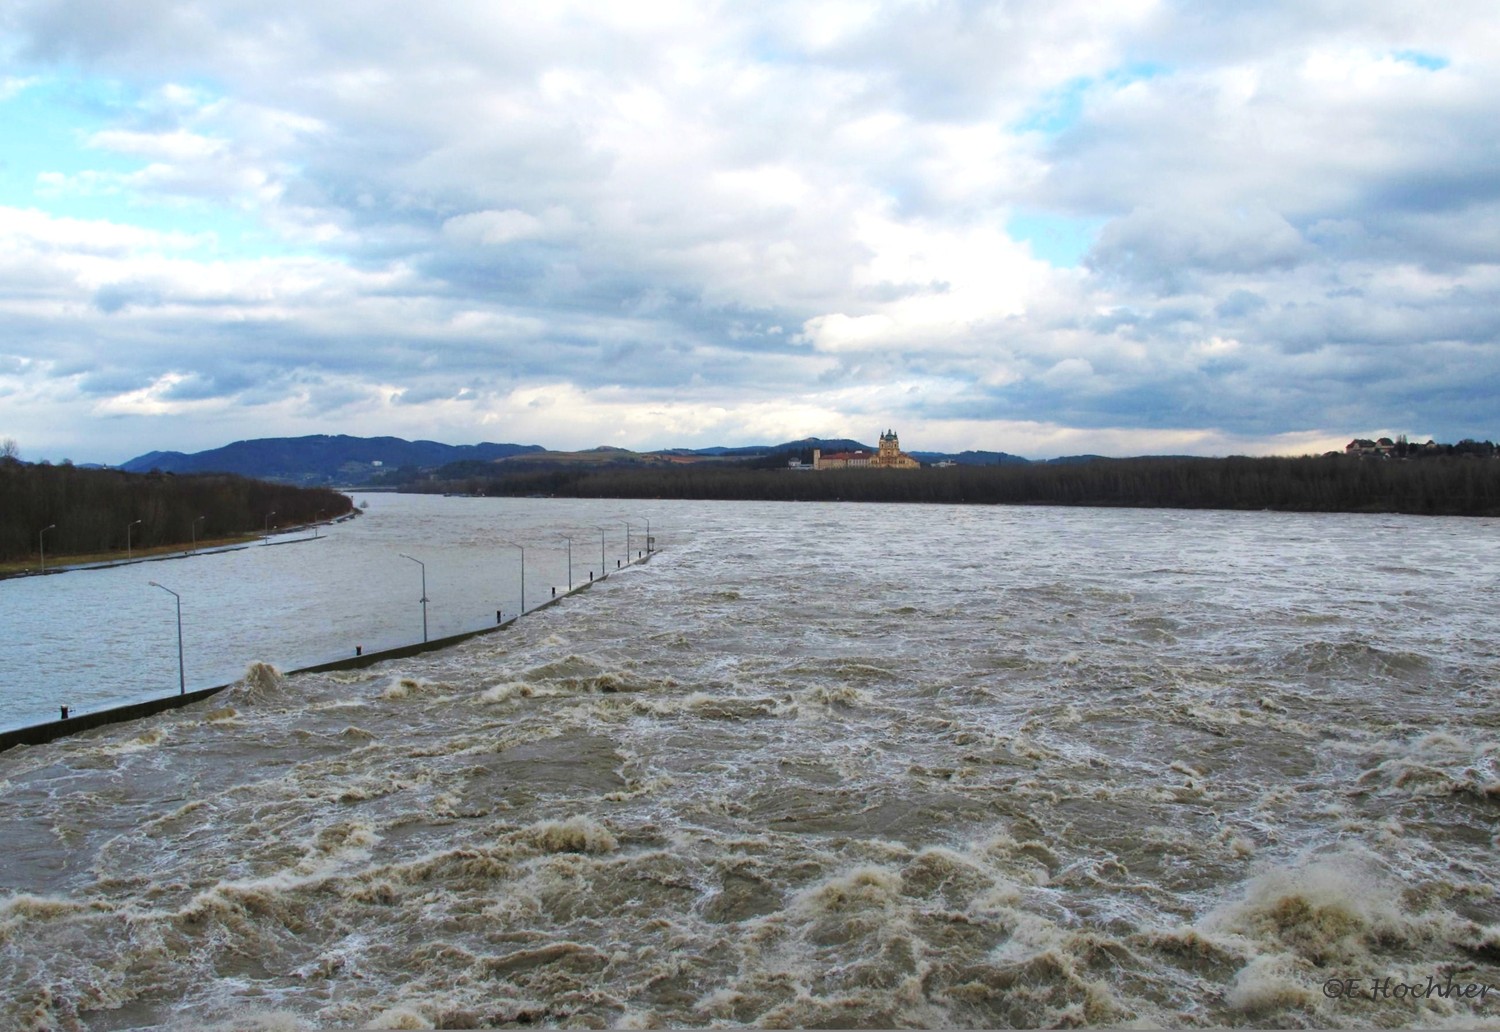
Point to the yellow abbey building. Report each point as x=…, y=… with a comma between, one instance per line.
x=890, y=456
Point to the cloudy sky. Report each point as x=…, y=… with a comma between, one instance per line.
x=1040, y=226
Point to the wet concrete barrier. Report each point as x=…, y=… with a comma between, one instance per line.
x=39, y=734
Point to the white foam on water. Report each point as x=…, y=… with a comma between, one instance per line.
x=742, y=791
x=507, y=692
x=1436, y=764
x=574, y=835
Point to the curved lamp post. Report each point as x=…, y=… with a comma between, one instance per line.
x=570, y=561
x=41, y=543
x=627, y=542
x=181, y=676
x=424, y=591
x=648, y=537
x=194, y=530
x=267, y=538
x=512, y=544
x=602, y=532
x=128, y=528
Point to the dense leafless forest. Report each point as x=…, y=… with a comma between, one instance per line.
x=89, y=511
x=1464, y=485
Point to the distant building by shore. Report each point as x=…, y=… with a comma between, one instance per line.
x=890, y=456
x=1401, y=448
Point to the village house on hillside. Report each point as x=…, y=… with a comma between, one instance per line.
x=1385, y=447
x=1364, y=446
x=890, y=456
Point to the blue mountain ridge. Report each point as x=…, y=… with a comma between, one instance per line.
x=343, y=459
x=321, y=458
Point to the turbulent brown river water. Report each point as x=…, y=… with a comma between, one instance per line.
x=822, y=765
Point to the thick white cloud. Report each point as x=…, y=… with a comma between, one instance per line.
x=681, y=224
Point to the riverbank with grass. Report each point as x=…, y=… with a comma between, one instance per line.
x=63, y=563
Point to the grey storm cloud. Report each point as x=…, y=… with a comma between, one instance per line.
x=1165, y=245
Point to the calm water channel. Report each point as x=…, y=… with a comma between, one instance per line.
x=815, y=765
x=99, y=637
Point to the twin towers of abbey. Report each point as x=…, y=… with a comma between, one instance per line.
x=890, y=456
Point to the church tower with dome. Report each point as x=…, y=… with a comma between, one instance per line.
x=891, y=456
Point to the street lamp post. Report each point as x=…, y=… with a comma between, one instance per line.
x=181, y=675
x=194, y=530
x=512, y=544
x=128, y=528
x=602, y=532
x=267, y=538
x=41, y=543
x=627, y=543
x=570, y=561
x=648, y=537
x=424, y=591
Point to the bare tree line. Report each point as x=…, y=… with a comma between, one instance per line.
x=73, y=511
x=1461, y=485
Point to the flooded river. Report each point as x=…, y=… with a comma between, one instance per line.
x=821, y=765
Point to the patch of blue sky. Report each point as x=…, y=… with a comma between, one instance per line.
x=48, y=164
x=1431, y=62
x=771, y=51
x=44, y=129
x=1061, y=108
x=1060, y=240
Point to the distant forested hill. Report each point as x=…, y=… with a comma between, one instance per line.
x=87, y=511
x=970, y=458
x=322, y=458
